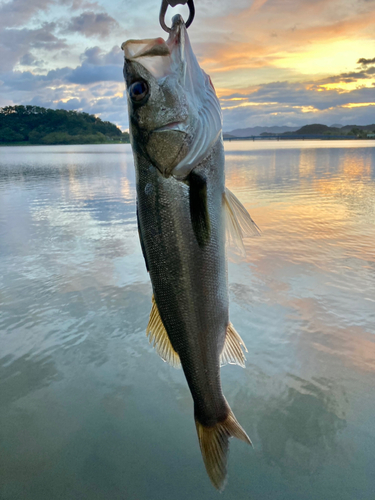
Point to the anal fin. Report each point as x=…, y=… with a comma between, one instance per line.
x=158, y=336
x=234, y=346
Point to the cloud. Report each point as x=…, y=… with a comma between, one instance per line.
x=299, y=103
x=19, y=12
x=272, y=115
x=27, y=60
x=97, y=56
x=88, y=73
x=305, y=95
x=91, y=24
x=81, y=75
x=98, y=66
x=290, y=62
x=42, y=38
x=286, y=33
x=365, y=61
x=28, y=81
x=352, y=76
x=16, y=43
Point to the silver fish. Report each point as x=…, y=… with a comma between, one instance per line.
x=184, y=212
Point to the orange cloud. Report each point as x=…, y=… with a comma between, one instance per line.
x=297, y=35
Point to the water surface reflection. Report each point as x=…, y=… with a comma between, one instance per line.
x=88, y=410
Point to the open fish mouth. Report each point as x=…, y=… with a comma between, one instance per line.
x=161, y=57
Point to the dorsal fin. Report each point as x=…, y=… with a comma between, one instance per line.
x=232, y=352
x=158, y=336
x=238, y=223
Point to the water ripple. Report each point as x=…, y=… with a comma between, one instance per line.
x=88, y=409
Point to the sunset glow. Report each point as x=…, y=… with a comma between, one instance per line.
x=272, y=63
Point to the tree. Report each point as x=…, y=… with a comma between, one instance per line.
x=8, y=135
x=54, y=126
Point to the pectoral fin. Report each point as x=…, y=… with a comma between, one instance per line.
x=232, y=352
x=238, y=223
x=199, y=215
x=158, y=336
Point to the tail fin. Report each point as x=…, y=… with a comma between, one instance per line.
x=213, y=442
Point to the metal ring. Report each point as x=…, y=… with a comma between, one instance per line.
x=173, y=3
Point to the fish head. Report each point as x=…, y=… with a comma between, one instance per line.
x=174, y=113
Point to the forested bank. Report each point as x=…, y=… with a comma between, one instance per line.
x=37, y=125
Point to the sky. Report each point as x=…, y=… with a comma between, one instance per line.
x=273, y=62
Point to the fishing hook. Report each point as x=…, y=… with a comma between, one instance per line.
x=173, y=3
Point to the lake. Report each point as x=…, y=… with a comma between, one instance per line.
x=87, y=408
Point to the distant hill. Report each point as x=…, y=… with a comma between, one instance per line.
x=359, y=131
x=248, y=132
x=318, y=128
x=37, y=125
x=364, y=128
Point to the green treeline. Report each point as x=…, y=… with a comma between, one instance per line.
x=36, y=125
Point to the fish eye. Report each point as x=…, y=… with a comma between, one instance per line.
x=138, y=90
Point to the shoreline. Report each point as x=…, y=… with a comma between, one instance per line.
x=257, y=139
x=303, y=138
x=24, y=144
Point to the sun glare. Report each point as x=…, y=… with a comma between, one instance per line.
x=358, y=104
x=330, y=57
x=348, y=86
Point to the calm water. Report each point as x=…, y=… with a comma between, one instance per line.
x=89, y=411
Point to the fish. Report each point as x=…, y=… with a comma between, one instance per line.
x=185, y=216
